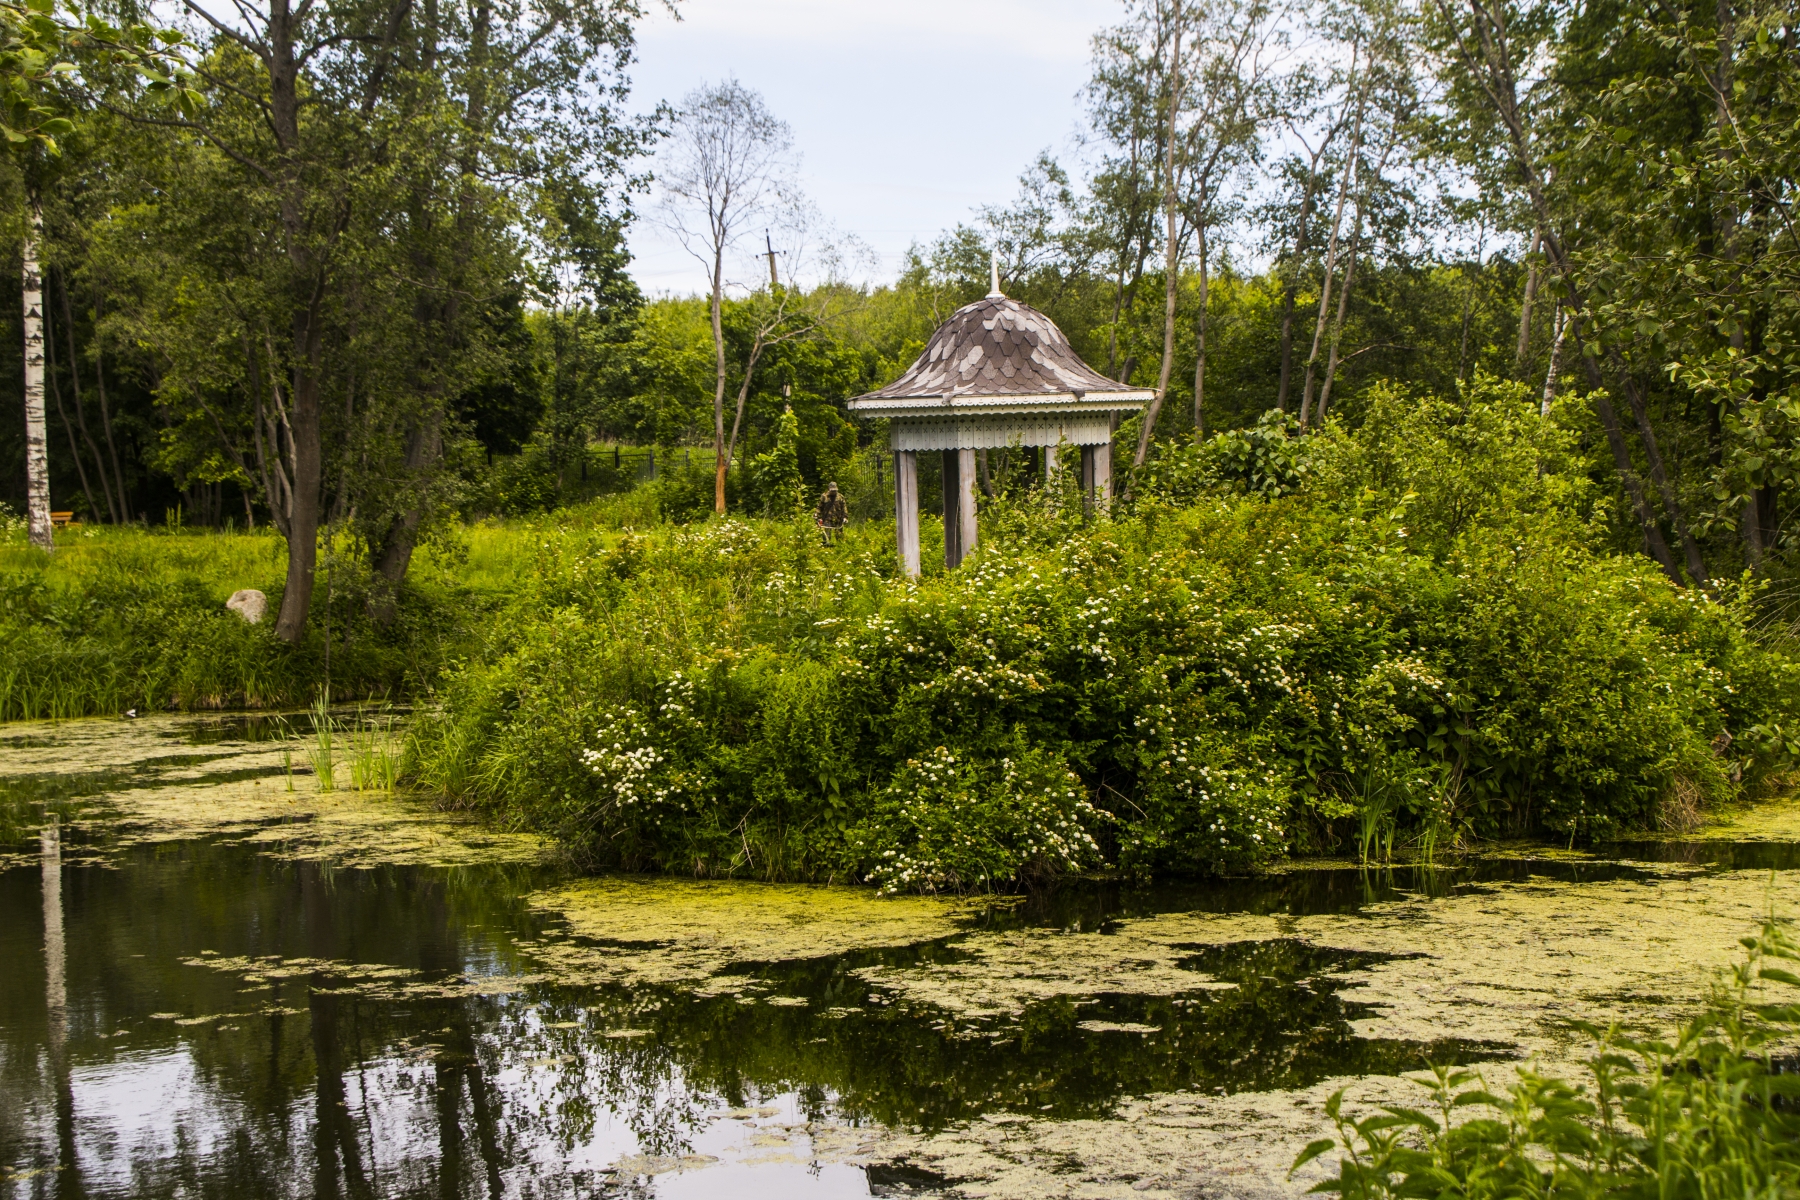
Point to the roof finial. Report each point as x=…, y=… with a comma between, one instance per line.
x=994, y=273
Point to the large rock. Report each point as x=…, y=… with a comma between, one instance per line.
x=249, y=604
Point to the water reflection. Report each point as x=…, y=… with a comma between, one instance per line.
x=200, y=1018
x=56, y=1007
x=204, y=1028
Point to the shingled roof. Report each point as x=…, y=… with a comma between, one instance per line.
x=998, y=349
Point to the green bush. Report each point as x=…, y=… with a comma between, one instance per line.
x=1707, y=1113
x=1426, y=638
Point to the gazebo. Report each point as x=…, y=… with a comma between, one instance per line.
x=996, y=373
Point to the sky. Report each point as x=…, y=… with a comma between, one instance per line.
x=908, y=114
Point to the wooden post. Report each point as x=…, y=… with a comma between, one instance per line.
x=959, y=505
x=906, y=510
x=1051, y=466
x=965, y=503
x=1102, y=473
x=952, y=490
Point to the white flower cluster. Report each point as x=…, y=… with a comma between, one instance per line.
x=725, y=539
x=627, y=763
x=1258, y=657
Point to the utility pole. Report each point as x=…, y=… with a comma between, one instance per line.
x=773, y=281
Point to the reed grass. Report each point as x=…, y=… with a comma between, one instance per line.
x=322, y=752
x=375, y=752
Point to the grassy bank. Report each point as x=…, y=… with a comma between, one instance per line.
x=135, y=618
x=1412, y=633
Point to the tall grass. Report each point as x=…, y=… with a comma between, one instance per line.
x=135, y=618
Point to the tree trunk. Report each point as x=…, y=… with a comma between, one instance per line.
x=721, y=455
x=1331, y=254
x=423, y=446
x=1615, y=439
x=1200, y=328
x=1302, y=243
x=106, y=428
x=1171, y=256
x=37, y=461
x=1531, y=281
x=1559, y=324
x=62, y=415
x=308, y=465
x=1337, y=329
x=115, y=510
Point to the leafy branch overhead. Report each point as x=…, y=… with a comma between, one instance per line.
x=42, y=53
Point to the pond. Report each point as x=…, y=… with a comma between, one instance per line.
x=223, y=981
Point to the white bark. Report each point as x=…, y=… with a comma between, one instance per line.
x=1561, y=324
x=1172, y=251
x=37, y=462
x=1331, y=262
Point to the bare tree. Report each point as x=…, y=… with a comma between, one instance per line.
x=727, y=172
x=1167, y=27
x=785, y=311
x=1234, y=51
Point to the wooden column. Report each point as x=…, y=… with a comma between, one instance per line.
x=959, y=505
x=952, y=491
x=906, y=510
x=1051, y=466
x=966, y=479
x=1096, y=478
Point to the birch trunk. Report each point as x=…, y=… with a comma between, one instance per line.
x=1337, y=329
x=1331, y=254
x=1172, y=254
x=1200, y=336
x=1560, y=325
x=1302, y=243
x=721, y=455
x=1531, y=282
x=37, y=461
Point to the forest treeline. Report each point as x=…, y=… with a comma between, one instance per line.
x=373, y=278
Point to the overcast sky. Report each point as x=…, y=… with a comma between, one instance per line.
x=907, y=113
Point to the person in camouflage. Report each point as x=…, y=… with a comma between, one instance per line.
x=833, y=514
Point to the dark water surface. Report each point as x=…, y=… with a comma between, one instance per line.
x=408, y=1044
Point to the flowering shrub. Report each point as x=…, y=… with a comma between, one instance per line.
x=950, y=824
x=1204, y=682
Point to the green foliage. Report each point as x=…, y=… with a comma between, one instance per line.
x=1425, y=642
x=776, y=472
x=1707, y=1112
x=1264, y=459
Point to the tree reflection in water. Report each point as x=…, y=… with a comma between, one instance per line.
x=317, y=1081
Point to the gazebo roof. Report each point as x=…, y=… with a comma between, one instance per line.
x=998, y=355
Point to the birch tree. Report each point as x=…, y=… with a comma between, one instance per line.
x=1234, y=52
x=727, y=171
x=38, y=90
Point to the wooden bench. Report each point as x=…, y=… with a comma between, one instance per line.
x=62, y=520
